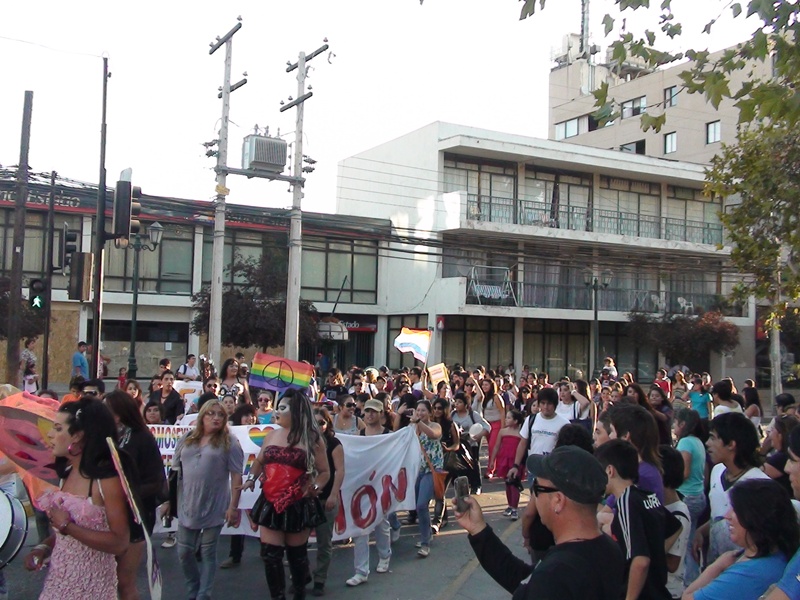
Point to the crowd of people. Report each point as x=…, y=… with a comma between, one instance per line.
x=673, y=489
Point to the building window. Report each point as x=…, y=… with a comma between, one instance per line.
x=567, y=129
x=339, y=270
x=713, y=132
x=634, y=107
x=633, y=147
x=670, y=142
x=671, y=96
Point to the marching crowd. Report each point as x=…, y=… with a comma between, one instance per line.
x=675, y=489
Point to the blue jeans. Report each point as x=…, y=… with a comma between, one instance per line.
x=696, y=505
x=199, y=580
x=423, y=489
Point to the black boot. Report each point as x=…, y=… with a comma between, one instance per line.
x=273, y=568
x=298, y=568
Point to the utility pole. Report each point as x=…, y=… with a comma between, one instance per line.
x=218, y=252
x=15, y=295
x=48, y=280
x=99, y=235
x=291, y=345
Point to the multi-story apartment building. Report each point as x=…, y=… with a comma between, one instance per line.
x=694, y=130
x=499, y=236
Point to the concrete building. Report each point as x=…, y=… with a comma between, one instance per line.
x=497, y=235
x=694, y=130
x=340, y=260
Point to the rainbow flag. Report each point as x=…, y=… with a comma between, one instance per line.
x=416, y=341
x=279, y=374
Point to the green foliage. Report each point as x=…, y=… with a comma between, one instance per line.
x=771, y=97
x=31, y=320
x=763, y=170
x=254, y=311
x=684, y=339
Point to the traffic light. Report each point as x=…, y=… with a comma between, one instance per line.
x=69, y=245
x=36, y=289
x=125, y=221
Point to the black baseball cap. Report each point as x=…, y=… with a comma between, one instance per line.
x=575, y=472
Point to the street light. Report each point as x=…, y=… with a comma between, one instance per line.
x=154, y=233
x=596, y=284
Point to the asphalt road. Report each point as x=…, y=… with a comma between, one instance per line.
x=450, y=571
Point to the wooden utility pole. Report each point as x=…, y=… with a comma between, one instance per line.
x=15, y=294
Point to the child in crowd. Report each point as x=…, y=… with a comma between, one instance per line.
x=504, y=452
x=672, y=461
x=122, y=379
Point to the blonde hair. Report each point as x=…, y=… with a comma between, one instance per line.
x=221, y=438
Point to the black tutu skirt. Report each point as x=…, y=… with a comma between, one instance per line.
x=306, y=513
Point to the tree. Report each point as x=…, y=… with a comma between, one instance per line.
x=774, y=98
x=254, y=310
x=684, y=339
x=31, y=321
x=762, y=170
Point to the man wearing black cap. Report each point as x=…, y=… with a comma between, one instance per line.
x=585, y=564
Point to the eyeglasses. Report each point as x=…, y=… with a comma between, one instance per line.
x=216, y=414
x=469, y=385
x=90, y=392
x=350, y=405
x=542, y=489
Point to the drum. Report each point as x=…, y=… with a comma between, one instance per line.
x=13, y=528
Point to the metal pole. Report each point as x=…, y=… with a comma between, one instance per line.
x=99, y=235
x=596, y=327
x=218, y=252
x=15, y=295
x=132, y=367
x=48, y=279
x=776, y=382
x=291, y=346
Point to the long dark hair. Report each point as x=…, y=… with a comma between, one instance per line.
x=95, y=421
x=123, y=405
x=764, y=508
x=444, y=420
x=223, y=372
x=735, y=427
x=321, y=411
x=304, y=426
x=488, y=396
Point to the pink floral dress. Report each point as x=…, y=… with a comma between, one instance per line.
x=76, y=571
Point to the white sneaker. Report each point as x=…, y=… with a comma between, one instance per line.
x=423, y=551
x=418, y=545
x=395, y=535
x=383, y=565
x=169, y=542
x=357, y=579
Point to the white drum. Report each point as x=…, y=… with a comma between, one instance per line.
x=13, y=528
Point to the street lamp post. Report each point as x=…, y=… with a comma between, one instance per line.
x=154, y=233
x=596, y=284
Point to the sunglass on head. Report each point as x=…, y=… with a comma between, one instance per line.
x=542, y=489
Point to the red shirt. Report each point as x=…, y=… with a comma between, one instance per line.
x=664, y=384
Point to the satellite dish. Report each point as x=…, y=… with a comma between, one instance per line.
x=463, y=266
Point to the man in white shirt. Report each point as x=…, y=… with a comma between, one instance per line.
x=188, y=371
x=539, y=432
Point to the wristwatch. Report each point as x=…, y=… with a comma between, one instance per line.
x=315, y=487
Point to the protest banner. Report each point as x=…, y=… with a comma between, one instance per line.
x=438, y=373
x=380, y=472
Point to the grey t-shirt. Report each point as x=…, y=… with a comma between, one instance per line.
x=204, y=493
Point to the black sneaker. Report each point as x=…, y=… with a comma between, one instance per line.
x=319, y=589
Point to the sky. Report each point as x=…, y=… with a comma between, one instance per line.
x=396, y=65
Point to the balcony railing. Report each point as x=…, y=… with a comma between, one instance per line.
x=579, y=297
x=543, y=214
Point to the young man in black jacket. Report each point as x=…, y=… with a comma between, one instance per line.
x=585, y=564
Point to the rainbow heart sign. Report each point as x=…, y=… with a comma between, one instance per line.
x=258, y=435
x=279, y=374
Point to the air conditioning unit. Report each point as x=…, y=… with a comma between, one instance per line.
x=264, y=153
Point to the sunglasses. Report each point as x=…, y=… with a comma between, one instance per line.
x=542, y=489
x=350, y=405
x=90, y=392
x=469, y=385
x=322, y=422
x=216, y=414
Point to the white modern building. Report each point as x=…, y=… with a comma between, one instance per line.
x=496, y=235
